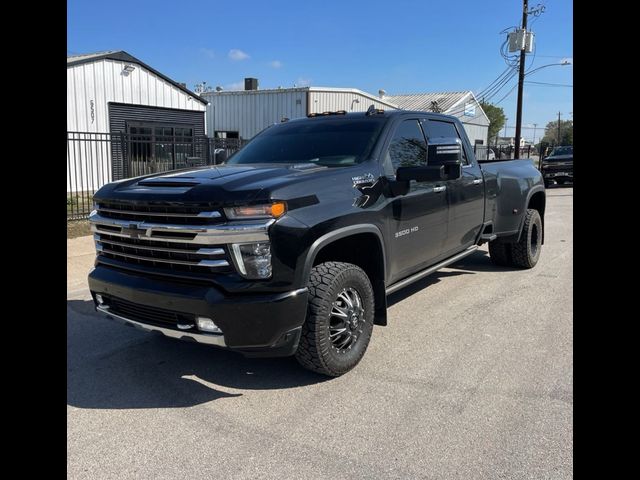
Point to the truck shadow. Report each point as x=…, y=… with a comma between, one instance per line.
x=110, y=366
x=478, y=261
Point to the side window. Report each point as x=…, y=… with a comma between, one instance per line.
x=408, y=147
x=439, y=129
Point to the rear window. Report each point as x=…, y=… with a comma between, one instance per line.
x=329, y=142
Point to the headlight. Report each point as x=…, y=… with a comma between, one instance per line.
x=269, y=210
x=253, y=259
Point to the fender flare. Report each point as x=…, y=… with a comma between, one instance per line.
x=534, y=190
x=380, y=315
x=337, y=234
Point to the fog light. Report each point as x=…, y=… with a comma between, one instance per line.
x=206, y=325
x=99, y=299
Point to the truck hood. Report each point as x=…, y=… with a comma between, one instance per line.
x=559, y=158
x=223, y=185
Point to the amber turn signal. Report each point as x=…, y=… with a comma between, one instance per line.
x=274, y=210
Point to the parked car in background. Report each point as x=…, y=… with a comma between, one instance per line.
x=558, y=166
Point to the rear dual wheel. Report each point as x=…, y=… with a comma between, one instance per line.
x=524, y=253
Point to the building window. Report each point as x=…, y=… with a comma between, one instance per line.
x=226, y=134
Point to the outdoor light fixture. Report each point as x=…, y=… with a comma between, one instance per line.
x=129, y=68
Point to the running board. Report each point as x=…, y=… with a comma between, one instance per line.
x=417, y=276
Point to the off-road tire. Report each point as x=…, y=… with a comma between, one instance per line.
x=526, y=252
x=316, y=351
x=500, y=253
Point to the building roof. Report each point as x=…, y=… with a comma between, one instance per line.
x=423, y=101
x=355, y=91
x=123, y=56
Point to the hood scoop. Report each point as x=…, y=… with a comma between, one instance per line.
x=168, y=183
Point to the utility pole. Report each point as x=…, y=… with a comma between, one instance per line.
x=523, y=54
x=558, y=128
x=535, y=125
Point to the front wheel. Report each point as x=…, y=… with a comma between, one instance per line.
x=339, y=321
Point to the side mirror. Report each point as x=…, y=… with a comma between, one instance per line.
x=445, y=151
x=219, y=156
x=421, y=174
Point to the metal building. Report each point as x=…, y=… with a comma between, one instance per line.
x=244, y=113
x=113, y=93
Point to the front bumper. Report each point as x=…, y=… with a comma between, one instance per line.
x=550, y=174
x=255, y=325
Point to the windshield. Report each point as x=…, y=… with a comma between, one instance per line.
x=562, y=151
x=329, y=142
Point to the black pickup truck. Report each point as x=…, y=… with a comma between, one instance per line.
x=293, y=244
x=558, y=166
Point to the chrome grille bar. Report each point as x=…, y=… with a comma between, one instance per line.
x=229, y=232
x=201, y=263
x=200, y=251
x=213, y=214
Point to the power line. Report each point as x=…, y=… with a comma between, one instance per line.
x=555, y=56
x=550, y=84
x=508, y=93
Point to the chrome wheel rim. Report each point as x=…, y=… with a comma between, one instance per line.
x=346, y=320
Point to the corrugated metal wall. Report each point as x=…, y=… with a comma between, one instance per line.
x=250, y=112
x=331, y=101
x=476, y=125
x=91, y=86
x=476, y=132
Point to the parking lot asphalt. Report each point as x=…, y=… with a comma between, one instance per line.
x=471, y=379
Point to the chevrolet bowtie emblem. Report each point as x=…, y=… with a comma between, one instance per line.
x=134, y=231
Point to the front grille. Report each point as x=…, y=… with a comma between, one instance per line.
x=148, y=315
x=158, y=213
x=164, y=255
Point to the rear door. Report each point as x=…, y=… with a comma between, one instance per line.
x=418, y=223
x=464, y=195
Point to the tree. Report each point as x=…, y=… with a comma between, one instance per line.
x=496, y=119
x=551, y=133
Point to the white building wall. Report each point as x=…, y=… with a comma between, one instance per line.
x=351, y=100
x=90, y=88
x=249, y=112
x=475, y=121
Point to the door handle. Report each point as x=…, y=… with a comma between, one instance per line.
x=439, y=189
x=477, y=181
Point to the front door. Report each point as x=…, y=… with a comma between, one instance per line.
x=465, y=194
x=418, y=225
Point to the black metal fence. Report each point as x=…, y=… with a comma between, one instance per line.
x=502, y=152
x=94, y=159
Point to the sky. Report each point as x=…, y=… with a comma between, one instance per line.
x=401, y=46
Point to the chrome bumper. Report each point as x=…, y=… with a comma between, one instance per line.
x=228, y=232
